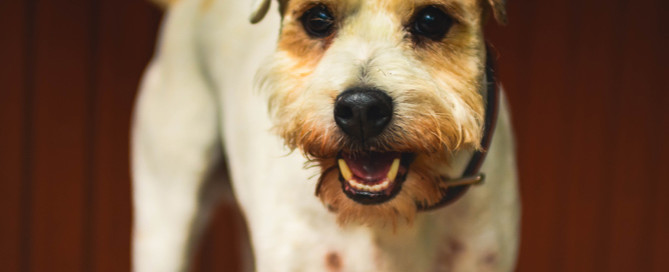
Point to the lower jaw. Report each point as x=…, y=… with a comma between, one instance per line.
x=370, y=198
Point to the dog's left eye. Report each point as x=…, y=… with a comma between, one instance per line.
x=318, y=21
x=431, y=22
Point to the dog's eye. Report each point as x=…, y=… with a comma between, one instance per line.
x=318, y=21
x=431, y=22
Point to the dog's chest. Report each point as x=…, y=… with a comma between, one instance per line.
x=314, y=244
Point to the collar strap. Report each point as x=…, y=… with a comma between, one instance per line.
x=453, y=189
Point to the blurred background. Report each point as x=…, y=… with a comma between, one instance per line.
x=587, y=81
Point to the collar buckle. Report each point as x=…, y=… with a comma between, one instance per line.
x=476, y=179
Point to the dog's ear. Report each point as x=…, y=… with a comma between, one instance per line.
x=259, y=10
x=498, y=8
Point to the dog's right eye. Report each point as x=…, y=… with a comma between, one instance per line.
x=318, y=22
x=431, y=22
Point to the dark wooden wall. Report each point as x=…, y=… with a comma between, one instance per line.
x=587, y=81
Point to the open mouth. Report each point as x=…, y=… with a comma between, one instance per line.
x=373, y=177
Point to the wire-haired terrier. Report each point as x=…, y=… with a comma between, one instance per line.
x=389, y=105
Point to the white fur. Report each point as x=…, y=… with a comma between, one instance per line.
x=197, y=95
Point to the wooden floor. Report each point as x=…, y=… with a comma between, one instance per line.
x=587, y=80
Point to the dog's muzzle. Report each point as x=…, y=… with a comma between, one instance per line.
x=368, y=177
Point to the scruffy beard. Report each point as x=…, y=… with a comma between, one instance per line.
x=384, y=182
x=398, y=201
x=407, y=162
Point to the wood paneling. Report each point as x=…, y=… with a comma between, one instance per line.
x=591, y=69
x=634, y=143
x=588, y=97
x=585, y=79
x=14, y=40
x=125, y=43
x=60, y=140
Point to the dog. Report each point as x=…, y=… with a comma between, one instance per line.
x=356, y=134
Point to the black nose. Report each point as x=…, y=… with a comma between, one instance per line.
x=363, y=112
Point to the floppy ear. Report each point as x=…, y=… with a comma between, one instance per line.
x=498, y=8
x=259, y=10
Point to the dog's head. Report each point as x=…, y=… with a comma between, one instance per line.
x=379, y=94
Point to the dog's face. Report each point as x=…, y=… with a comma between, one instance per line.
x=379, y=94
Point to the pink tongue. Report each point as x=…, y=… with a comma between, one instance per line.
x=371, y=167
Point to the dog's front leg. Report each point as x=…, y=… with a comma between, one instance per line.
x=175, y=147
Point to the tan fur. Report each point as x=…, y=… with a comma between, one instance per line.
x=438, y=115
x=499, y=10
x=164, y=3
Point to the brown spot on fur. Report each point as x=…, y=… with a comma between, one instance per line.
x=448, y=254
x=456, y=247
x=333, y=261
x=489, y=259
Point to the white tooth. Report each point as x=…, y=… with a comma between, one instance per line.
x=370, y=188
x=392, y=174
x=345, y=171
x=381, y=186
